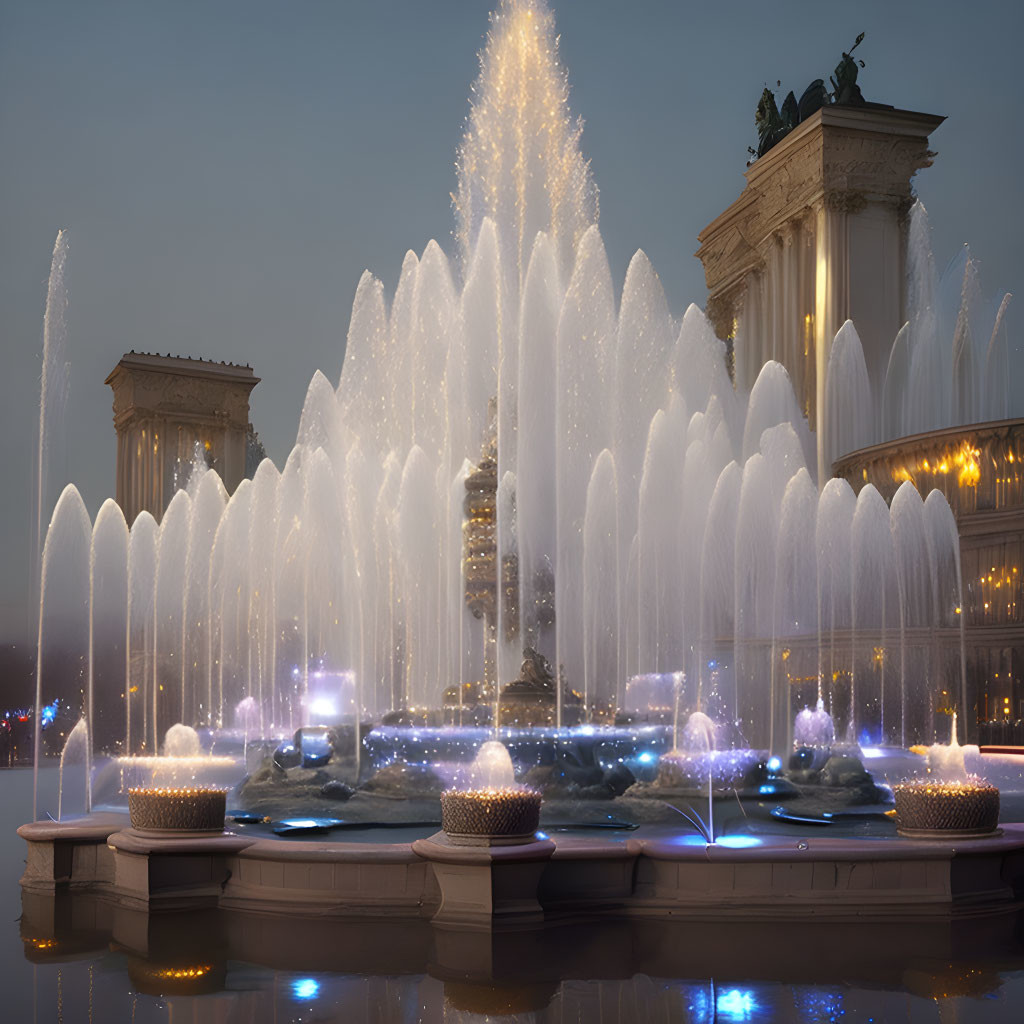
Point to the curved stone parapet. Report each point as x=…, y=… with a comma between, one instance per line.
x=658, y=875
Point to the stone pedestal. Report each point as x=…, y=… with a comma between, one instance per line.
x=484, y=886
x=172, y=873
x=68, y=854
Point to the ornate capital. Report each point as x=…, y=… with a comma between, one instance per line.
x=845, y=201
x=841, y=157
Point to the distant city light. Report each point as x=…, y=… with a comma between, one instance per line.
x=48, y=714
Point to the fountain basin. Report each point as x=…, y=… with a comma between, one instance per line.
x=651, y=873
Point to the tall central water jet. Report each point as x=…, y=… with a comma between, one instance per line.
x=520, y=163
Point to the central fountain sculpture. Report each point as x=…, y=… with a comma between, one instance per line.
x=633, y=514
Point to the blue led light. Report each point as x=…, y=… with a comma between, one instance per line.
x=736, y=1004
x=647, y=757
x=774, y=764
x=540, y=835
x=738, y=842
x=305, y=988
x=730, y=842
x=690, y=839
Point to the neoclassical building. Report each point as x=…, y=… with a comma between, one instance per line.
x=818, y=236
x=168, y=408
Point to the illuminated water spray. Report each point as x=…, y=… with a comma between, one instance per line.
x=644, y=520
x=520, y=162
x=53, y=393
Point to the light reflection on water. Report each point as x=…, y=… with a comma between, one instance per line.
x=84, y=961
x=101, y=992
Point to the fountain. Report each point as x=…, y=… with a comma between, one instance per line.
x=643, y=518
x=814, y=728
x=53, y=393
x=182, y=764
x=515, y=470
x=74, y=792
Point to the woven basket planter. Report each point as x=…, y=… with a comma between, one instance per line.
x=490, y=817
x=177, y=810
x=928, y=809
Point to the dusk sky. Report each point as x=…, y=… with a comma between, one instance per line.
x=226, y=170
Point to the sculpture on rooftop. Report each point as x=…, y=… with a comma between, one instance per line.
x=773, y=124
x=844, y=85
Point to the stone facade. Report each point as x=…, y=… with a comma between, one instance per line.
x=166, y=406
x=817, y=236
x=978, y=468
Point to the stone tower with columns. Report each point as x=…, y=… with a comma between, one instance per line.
x=818, y=236
x=168, y=408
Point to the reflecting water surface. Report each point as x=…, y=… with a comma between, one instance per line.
x=103, y=985
x=79, y=958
